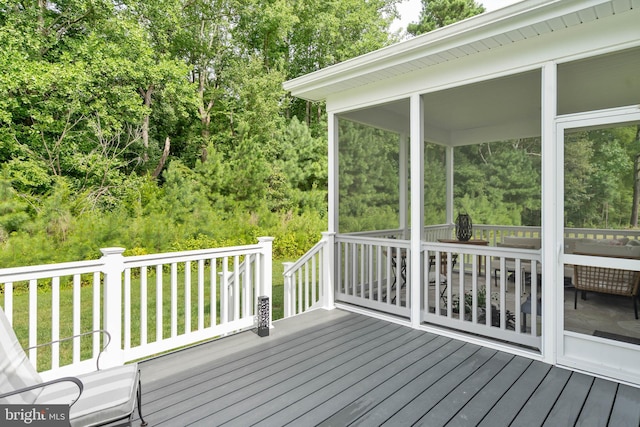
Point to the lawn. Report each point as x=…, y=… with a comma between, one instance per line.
x=84, y=293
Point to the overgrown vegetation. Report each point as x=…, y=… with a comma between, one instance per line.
x=163, y=125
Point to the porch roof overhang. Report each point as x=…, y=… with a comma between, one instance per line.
x=481, y=76
x=521, y=21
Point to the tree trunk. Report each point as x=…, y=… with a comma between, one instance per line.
x=205, y=116
x=42, y=9
x=146, y=97
x=163, y=158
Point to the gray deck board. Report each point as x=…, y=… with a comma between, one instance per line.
x=362, y=376
x=358, y=405
x=335, y=368
x=230, y=400
x=568, y=405
x=414, y=411
x=455, y=401
x=510, y=404
x=479, y=406
x=304, y=380
x=414, y=386
x=535, y=410
x=626, y=409
x=598, y=405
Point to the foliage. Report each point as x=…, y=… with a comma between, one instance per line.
x=599, y=176
x=368, y=177
x=499, y=182
x=439, y=13
x=481, y=301
x=160, y=124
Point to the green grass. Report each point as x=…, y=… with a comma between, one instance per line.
x=21, y=311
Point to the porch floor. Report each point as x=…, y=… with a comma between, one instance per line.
x=340, y=368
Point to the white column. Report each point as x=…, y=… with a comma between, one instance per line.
x=333, y=172
x=417, y=204
x=112, y=305
x=403, y=189
x=328, y=270
x=552, y=218
x=329, y=256
x=449, y=184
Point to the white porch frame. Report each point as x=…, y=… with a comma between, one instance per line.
x=405, y=88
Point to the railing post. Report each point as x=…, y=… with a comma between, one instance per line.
x=289, y=300
x=267, y=272
x=328, y=269
x=112, y=310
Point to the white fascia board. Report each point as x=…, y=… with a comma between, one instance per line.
x=317, y=85
x=575, y=43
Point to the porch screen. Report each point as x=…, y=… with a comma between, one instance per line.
x=368, y=176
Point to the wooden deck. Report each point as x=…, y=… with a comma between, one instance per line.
x=336, y=368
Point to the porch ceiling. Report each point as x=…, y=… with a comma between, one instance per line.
x=510, y=107
x=497, y=109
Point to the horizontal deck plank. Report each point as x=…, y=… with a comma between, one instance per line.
x=480, y=405
x=336, y=368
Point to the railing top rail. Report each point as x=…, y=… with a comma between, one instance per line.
x=568, y=231
x=439, y=226
x=397, y=243
x=194, y=255
x=375, y=232
x=530, y=254
x=601, y=231
x=306, y=257
x=16, y=274
x=508, y=227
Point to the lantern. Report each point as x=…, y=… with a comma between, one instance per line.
x=464, y=228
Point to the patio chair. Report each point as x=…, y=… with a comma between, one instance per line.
x=612, y=281
x=97, y=398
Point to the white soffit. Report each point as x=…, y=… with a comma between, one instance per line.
x=520, y=21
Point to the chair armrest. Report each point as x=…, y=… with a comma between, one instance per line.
x=74, y=380
x=108, y=341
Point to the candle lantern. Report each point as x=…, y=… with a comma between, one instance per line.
x=464, y=227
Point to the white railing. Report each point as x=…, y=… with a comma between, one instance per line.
x=306, y=280
x=432, y=233
x=488, y=291
x=484, y=290
x=599, y=233
x=495, y=233
x=374, y=273
x=149, y=303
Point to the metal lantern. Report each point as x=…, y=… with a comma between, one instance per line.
x=263, y=316
x=464, y=227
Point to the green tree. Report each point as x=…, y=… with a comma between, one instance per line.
x=368, y=178
x=504, y=174
x=440, y=13
x=77, y=110
x=329, y=32
x=14, y=210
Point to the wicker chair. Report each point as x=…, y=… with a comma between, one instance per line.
x=607, y=281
